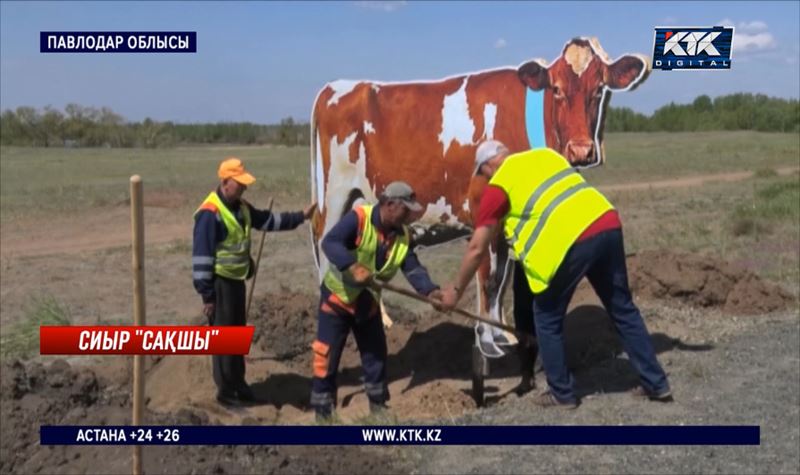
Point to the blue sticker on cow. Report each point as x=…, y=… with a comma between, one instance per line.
x=693, y=48
x=534, y=118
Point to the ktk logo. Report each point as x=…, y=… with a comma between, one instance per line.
x=696, y=43
x=692, y=48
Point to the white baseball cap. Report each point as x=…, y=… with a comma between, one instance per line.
x=487, y=150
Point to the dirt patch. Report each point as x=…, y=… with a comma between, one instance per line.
x=428, y=361
x=696, y=180
x=285, y=324
x=34, y=394
x=429, y=376
x=158, y=199
x=704, y=282
x=163, y=199
x=437, y=395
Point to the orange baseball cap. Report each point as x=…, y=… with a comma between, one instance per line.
x=234, y=168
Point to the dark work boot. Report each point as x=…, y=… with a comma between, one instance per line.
x=228, y=399
x=245, y=394
x=378, y=408
x=324, y=415
x=526, y=353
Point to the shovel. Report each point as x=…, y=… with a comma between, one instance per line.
x=258, y=260
x=387, y=286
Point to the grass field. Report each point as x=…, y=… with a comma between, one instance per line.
x=47, y=179
x=755, y=222
x=65, y=258
x=37, y=179
x=635, y=157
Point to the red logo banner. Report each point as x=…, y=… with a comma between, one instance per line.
x=144, y=340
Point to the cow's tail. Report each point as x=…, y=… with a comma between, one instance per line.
x=354, y=195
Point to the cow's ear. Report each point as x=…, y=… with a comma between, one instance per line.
x=628, y=72
x=533, y=75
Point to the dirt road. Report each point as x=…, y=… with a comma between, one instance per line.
x=691, y=180
x=111, y=228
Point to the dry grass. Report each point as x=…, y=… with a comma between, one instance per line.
x=709, y=219
x=47, y=180
x=22, y=339
x=633, y=157
x=754, y=222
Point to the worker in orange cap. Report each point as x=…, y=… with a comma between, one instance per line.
x=221, y=263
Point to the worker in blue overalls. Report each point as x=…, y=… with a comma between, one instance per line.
x=369, y=242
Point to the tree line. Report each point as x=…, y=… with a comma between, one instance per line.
x=79, y=126
x=731, y=112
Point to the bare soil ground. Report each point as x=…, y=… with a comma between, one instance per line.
x=427, y=382
x=727, y=337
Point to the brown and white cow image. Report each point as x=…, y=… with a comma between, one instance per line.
x=366, y=134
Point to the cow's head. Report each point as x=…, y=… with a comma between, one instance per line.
x=577, y=87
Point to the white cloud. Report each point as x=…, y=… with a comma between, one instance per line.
x=750, y=36
x=500, y=43
x=753, y=26
x=744, y=26
x=756, y=42
x=386, y=6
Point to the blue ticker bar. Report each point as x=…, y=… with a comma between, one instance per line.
x=400, y=435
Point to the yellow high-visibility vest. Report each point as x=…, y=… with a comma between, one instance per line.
x=550, y=206
x=232, y=259
x=341, y=284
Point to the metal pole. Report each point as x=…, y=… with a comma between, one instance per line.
x=137, y=266
x=258, y=261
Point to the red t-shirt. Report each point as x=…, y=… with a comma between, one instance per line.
x=495, y=205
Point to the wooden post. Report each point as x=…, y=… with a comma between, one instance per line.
x=137, y=266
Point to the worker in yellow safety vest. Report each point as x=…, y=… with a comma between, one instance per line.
x=560, y=229
x=221, y=263
x=369, y=242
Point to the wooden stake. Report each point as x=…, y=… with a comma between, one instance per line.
x=137, y=266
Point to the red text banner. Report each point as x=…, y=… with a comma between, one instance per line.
x=144, y=340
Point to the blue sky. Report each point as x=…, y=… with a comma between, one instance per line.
x=261, y=62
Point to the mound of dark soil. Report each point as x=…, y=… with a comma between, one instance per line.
x=285, y=323
x=704, y=282
x=34, y=394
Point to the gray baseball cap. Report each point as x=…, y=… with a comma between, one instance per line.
x=486, y=151
x=400, y=190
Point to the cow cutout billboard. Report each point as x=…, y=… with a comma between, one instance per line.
x=366, y=134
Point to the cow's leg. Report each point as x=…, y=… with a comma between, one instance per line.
x=387, y=320
x=527, y=350
x=499, y=277
x=484, y=336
